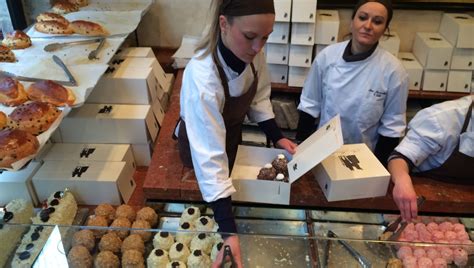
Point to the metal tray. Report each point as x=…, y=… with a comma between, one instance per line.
x=338, y=216
x=270, y=213
x=332, y=254
x=468, y=222
x=281, y=250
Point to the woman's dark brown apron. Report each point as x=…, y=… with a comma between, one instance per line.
x=235, y=109
x=458, y=167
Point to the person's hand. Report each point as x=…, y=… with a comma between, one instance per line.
x=287, y=145
x=403, y=193
x=405, y=197
x=233, y=242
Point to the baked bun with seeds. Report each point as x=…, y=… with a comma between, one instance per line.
x=51, y=92
x=12, y=92
x=34, y=117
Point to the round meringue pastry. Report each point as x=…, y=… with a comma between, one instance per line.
x=267, y=173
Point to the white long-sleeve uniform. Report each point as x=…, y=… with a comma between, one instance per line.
x=434, y=134
x=370, y=95
x=202, y=102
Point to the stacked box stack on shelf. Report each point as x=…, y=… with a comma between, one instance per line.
x=434, y=53
x=277, y=46
x=303, y=25
x=458, y=29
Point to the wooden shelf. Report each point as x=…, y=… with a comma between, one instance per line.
x=435, y=95
x=412, y=94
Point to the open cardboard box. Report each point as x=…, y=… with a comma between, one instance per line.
x=250, y=160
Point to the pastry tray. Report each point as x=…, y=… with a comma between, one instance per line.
x=266, y=251
x=340, y=216
x=71, y=55
x=115, y=22
x=338, y=256
x=118, y=5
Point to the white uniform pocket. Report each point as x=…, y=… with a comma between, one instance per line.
x=371, y=107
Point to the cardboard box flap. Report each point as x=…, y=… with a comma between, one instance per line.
x=325, y=141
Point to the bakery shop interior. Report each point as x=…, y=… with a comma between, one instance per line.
x=236, y=133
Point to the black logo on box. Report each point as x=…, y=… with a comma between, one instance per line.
x=350, y=161
x=79, y=170
x=86, y=152
x=106, y=109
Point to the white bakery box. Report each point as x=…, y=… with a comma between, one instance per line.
x=327, y=27
x=459, y=81
x=391, y=43
x=458, y=29
x=277, y=53
x=297, y=75
x=432, y=50
x=463, y=59
x=280, y=34
x=18, y=184
x=125, y=86
x=318, y=148
x=434, y=80
x=113, y=123
x=413, y=68
x=282, y=10
x=92, y=182
x=352, y=172
x=303, y=11
x=302, y=33
x=278, y=73
x=139, y=52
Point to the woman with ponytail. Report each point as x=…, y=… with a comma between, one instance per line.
x=226, y=80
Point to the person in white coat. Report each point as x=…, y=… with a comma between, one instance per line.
x=440, y=145
x=226, y=80
x=363, y=83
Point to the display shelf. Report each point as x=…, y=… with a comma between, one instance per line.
x=271, y=242
x=412, y=94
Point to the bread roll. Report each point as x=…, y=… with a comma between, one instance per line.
x=79, y=3
x=12, y=92
x=17, y=40
x=3, y=120
x=34, y=117
x=48, y=16
x=64, y=7
x=51, y=92
x=53, y=27
x=87, y=28
x=16, y=144
x=6, y=55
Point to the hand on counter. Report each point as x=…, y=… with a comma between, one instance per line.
x=287, y=145
x=403, y=193
x=233, y=242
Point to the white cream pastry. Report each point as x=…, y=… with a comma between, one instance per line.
x=17, y=211
x=60, y=208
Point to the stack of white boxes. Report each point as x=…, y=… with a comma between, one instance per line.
x=391, y=43
x=413, y=68
x=303, y=25
x=458, y=30
x=326, y=30
x=434, y=54
x=277, y=46
x=125, y=107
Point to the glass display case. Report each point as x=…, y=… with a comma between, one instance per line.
x=269, y=237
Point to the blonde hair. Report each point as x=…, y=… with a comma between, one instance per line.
x=209, y=42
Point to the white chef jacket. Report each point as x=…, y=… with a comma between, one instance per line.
x=370, y=95
x=434, y=134
x=202, y=103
